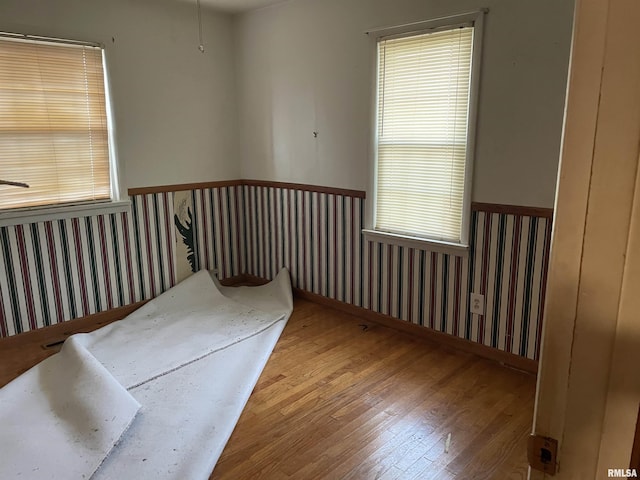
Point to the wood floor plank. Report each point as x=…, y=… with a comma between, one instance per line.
x=341, y=398
x=344, y=399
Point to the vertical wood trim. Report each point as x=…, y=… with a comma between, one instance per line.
x=592, y=226
x=635, y=450
x=617, y=442
x=606, y=234
x=587, y=58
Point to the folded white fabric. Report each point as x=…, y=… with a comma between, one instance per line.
x=184, y=324
x=60, y=419
x=189, y=360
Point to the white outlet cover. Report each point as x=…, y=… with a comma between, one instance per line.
x=477, y=303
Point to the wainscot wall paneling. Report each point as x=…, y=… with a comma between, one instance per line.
x=214, y=231
x=219, y=227
x=58, y=270
x=154, y=242
x=317, y=236
x=508, y=262
x=55, y=271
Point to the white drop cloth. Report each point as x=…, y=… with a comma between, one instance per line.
x=189, y=360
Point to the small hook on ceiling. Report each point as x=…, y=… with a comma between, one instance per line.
x=201, y=43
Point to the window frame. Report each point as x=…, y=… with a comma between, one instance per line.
x=475, y=19
x=117, y=202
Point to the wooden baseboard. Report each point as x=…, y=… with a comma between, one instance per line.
x=20, y=352
x=635, y=450
x=253, y=280
x=458, y=343
x=242, y=279
x=501, y=356
x=38, y=344
x=506, y=358
x=77, y=325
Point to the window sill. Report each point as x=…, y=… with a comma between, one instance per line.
x=428, y=245
x=22, y=216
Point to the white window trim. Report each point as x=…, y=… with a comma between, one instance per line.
x=22, y=216
x=117, y=204
x=475, y=18
x=419, y=243
x=117, y=186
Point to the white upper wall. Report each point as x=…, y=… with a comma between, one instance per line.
x=174, y=107
x=306, y=65
x=236, y=6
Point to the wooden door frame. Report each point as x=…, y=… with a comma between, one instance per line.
x=635, y=451
x=584, y=391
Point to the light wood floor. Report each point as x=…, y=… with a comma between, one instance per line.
x=344, y=399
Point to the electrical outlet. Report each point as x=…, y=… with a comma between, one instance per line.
x=542, y=453
x=477, y=303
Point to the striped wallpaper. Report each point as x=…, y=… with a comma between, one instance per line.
x=220, y=228
x=153, y=243
x=317, y=237
x=59, y=270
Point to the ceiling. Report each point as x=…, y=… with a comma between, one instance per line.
x=237, y=6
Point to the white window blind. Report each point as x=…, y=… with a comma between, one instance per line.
x=423, y=107
x=53, y=124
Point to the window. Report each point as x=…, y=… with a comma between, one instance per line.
x=53, y=123
x=424, y=139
